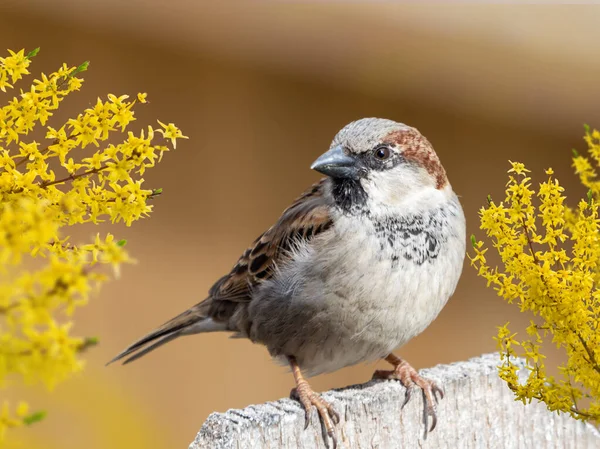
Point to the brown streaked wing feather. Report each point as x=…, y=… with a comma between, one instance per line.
x=304, y=219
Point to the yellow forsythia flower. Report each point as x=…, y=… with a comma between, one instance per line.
x=45, y=187
x=550, y=266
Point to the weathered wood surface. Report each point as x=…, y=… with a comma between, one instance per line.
x=478, y=412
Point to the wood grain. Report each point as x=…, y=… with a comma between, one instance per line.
x=478, y=412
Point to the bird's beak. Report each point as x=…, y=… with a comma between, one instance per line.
x=337, y=164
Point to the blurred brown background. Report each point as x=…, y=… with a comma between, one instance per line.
x=260, y=89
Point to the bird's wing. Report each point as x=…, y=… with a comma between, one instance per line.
x=307, y=217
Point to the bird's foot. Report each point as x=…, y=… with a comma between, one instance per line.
x=308, y=398
x=409, y=378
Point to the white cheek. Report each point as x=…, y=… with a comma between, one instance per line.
x=393, y=187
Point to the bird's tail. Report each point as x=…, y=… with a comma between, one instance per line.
x=192, y=321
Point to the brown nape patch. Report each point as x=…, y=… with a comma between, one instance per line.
x=418, y=149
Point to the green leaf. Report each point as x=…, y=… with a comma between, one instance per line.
x=589, y=196
x=122, y=242
x=91, y=341
x=88, y=343
x=489, y=199
x=34, y=417
x=473, y=241
x=586, y=127
x=81, y=68
x=32, y=53
x=155, y=193
x=575, y=152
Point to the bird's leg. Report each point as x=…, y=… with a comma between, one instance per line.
x=307, y=397
x=409, y=377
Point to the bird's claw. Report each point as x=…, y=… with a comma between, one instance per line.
x=430, y=392
x=294, y=395
x=308, y=398
x=407, y=396
x=409, y=378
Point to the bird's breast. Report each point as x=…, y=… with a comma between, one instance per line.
x=361, y=289
x=396, y=272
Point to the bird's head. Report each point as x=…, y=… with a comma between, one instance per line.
x=382, y=162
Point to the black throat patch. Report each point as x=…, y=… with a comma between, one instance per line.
x=349, y=195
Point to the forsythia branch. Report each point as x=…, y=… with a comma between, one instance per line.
x=550, y=266
x=38, y=204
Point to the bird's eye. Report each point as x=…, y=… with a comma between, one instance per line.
x=382, y=153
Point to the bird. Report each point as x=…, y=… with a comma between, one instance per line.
x=356, y=266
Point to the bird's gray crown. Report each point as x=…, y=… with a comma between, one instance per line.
x=364, y=134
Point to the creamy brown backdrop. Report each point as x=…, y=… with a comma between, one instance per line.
x=260, y=90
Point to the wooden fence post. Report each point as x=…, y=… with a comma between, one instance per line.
x=478, y=411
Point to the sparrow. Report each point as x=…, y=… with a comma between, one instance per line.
x=358, y=265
